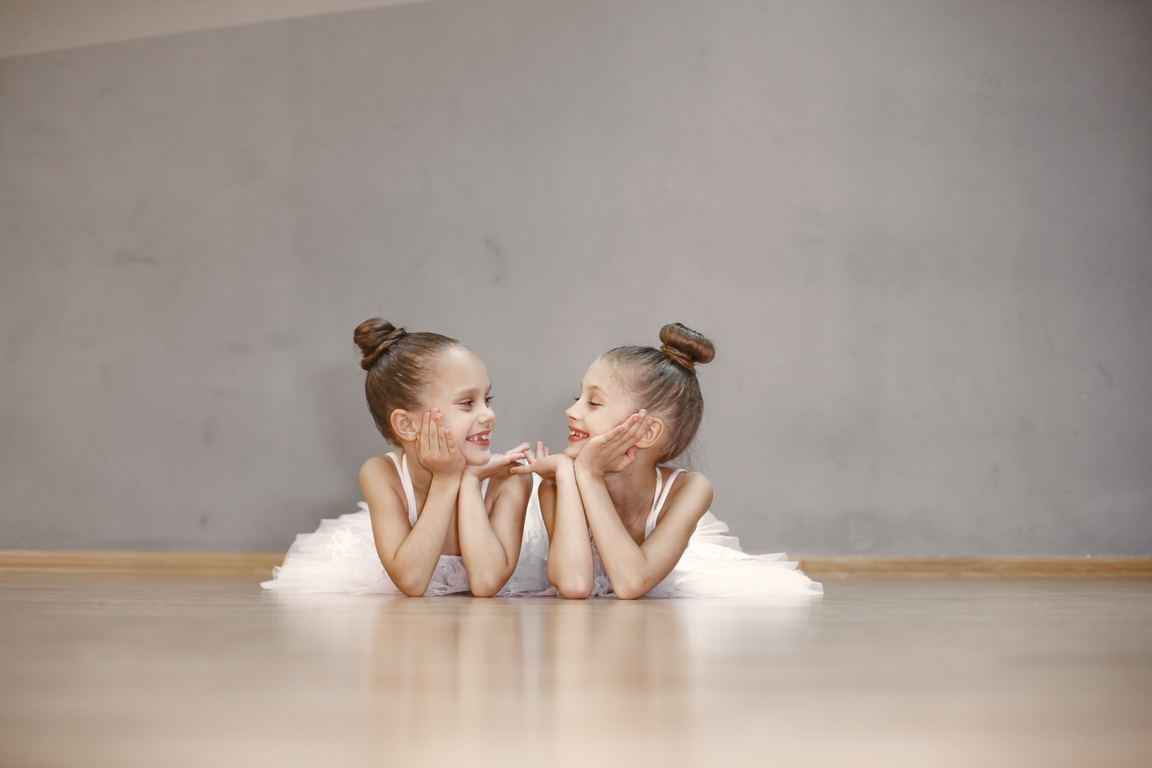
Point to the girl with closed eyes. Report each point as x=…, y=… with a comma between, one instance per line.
x=619, y=519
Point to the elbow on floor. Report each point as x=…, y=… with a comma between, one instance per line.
x=574, y=590
x=483, y=589
x=411, y=589
x=629, y=591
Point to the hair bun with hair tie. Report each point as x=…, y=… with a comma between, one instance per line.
x=686, y=347
x=388, y=340
x=374, y=337
x=678, y=356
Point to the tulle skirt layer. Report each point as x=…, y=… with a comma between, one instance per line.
x=714, y=566
x=340, y=556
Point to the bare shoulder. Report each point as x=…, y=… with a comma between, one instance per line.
x=380, y=483
x=691, y=483
x=691, y=494
x=688, y=499
x=379, y=469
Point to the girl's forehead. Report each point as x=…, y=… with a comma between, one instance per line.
x=459, y=366
x=603, y=375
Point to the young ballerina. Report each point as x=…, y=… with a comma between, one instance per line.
x=441, y=514
x=619, y=520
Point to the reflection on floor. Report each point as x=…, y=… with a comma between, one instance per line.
x=105, y=670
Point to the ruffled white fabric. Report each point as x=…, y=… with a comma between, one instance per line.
x=713, y=565
x=340, y=556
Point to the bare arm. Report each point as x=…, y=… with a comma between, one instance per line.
x=410, y=553
x=569, y=548
x=635, y=569
x=490, y=530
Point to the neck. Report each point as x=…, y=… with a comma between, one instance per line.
x=633, y=488
x=421, y=478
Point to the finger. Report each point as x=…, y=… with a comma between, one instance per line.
x=442, y=432
x=429, y=432
x=424, y=436
x=640, y=426
x=433, y=431
x=628, y=457
x=498, y=460
x=622, y=433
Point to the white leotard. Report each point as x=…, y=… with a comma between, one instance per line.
x=341, y=557
x=410, y=494
x=662, y=489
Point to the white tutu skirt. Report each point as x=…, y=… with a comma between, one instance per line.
x=340, y=556
x=713, y=565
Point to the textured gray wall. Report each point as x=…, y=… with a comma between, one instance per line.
x=919, y=233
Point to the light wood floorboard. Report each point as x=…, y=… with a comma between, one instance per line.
x=199, y=670
x=820, y=568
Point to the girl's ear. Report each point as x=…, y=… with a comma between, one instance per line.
x=653, y=435
x=403, y=425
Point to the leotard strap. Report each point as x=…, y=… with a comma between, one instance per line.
x=410, y=495
x=662, y=489
x=406, y=481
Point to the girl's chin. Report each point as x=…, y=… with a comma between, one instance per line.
x=474, y=454
x=572, y=450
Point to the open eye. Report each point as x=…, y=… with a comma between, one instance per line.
x=488, y=400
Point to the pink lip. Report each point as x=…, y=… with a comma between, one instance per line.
x=480, y=438
x=575, y=438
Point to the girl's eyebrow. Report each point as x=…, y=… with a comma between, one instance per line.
x=471, y=391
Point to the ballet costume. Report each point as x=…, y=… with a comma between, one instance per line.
x=340, y=556
x=713, y=565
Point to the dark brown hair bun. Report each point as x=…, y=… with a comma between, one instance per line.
x=374, y=337
x=400, y=367
x=664, y=382
x=685, y=346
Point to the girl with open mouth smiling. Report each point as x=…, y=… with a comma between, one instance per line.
x=442, y=513
x=619, y=520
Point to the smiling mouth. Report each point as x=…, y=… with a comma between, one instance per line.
x=480, y=439
x=575, y=435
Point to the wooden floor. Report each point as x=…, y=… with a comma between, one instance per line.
x=170, y=670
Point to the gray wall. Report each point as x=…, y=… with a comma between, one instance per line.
x=918, y=232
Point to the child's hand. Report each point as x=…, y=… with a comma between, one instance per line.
x=436, y=448
x=498, y=463
x=542, y=463
x=615, y=449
